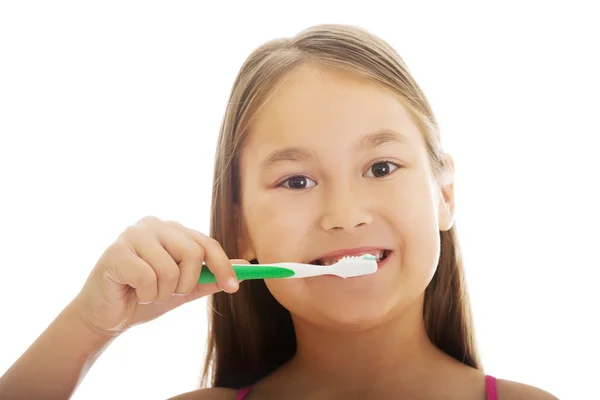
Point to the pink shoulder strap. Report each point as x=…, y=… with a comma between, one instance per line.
x=243, y=392
x=490, y=388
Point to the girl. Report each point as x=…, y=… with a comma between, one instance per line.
x=328, y=148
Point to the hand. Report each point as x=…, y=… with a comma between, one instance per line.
x=152, y=268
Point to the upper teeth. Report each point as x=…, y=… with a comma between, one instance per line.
x=332, y=260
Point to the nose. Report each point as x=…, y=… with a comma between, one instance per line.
x=344, y=210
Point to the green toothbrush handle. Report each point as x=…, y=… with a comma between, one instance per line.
x=245, y=272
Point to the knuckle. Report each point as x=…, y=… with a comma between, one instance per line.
x=168, y=274
x=116, y=253
x=195, y=252
x=147, y=279
x=174, y=223
x=201, y=234
x=132, y=231
x=118, y=247
x=148, y=220
x=214, y=243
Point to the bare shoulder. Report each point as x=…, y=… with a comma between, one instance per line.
x=510, y=390
x=206, y=394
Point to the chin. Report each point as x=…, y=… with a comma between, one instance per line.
x=343, y=308
x=354, y=304
x=347, y=304
x=352, y=317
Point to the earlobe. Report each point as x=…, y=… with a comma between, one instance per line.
x=446, y=200
x=446, y=216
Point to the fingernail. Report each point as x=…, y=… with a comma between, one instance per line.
x=233, y=284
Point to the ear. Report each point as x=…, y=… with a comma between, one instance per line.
x=446, y=198
x=245, y=250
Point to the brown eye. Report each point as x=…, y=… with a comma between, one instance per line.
x=381, y=169
x=297, y=182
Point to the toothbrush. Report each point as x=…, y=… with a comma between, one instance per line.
x=347, y=267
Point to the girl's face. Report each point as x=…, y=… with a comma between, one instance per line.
x=335, y=163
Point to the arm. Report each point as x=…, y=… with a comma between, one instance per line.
x=56, y=362
x=510, y=390
x=123, y=290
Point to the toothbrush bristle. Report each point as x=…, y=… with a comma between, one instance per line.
x=367, y=257
x=350, y=266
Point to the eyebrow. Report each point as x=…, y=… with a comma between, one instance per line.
x=379, y=138
x=370, y=141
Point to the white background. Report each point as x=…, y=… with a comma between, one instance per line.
x=109, y=111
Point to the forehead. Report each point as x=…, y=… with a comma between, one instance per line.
x=317, y=104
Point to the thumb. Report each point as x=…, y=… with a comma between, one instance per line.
x=239, y=261
x=202, y=290
x=199, y=291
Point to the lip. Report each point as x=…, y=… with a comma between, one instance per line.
x=384, y=262
x=351, y=252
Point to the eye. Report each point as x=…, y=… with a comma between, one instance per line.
x=381, y=169
x=298, y=182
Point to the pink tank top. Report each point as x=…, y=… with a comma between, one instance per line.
x=490, y=389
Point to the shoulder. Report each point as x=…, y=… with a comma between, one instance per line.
x=206, y=394
x=509, y=390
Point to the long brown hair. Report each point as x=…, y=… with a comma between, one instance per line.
x=250, y=333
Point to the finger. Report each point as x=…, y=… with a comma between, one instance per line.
x=239, y=261
x=189, y=272
x=217, y=261
x=148, y=247
x=189, y=254
x=203, y=291
x=200, y=291
x=197, y=292
x=131, y=270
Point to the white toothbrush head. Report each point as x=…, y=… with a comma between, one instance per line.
x=351, y=266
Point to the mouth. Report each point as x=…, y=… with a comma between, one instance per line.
x=331, y=258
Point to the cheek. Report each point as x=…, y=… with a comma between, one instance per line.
x=290, y=293
x=419, y=230
x=277, y=225
x=409, y=208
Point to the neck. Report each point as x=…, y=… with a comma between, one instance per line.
x=397, y=350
